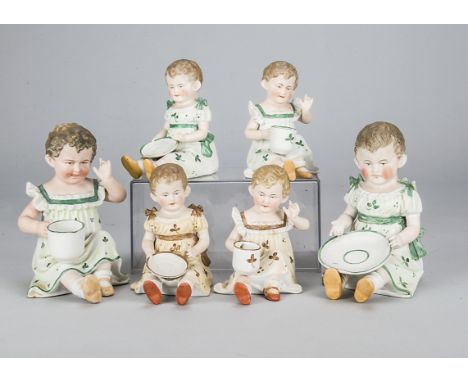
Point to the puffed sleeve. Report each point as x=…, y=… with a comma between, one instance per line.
x=255, y=113
x=352, y=196
x=411, y=201
x=38, y=200
x=203, y=112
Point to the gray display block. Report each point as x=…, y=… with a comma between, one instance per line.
x=218, y=194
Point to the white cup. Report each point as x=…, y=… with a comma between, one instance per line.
x=66, y=240
x=246, y=257
x=282, y=139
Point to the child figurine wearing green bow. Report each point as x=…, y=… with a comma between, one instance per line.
x=187, y=120
x=379, y=201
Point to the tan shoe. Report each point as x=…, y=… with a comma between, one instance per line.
x=304, y=174
x=131, y=166
x=333, y=284
x=272, y=294
x=242, y=293
x=149, y=167
x=152, y=292
x=364, y=289
x=107, y=289
x=91, y=289
x=183, y=293
x=290, y=169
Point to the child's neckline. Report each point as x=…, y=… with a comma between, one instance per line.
x=187, y=212
x=72, y=198
x=282, y=113
x=399, y=187
x=263, y=226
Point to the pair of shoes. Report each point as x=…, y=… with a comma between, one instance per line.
x=242, y=293
x=333, y=284
x=152, y=292
x=91, y=289
x=364, y=289
x=272, y=294
x=107, y=289
x=183, y=293
x=290, y=169
x=131, y=166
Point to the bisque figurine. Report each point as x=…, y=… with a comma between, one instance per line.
x=73, y=254
x=184, y=138
x=379, y=201
x=271, y=125
x=177, y=230
x=265, y=225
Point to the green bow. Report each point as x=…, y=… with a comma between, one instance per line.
x=354, y=182
x=416, y=247
x=201, y=103
x=205, y=145
x=170, y=103
x=409, y=186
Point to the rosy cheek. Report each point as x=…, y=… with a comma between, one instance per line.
x=84, y=171
x=365, y=173
x=388, y=173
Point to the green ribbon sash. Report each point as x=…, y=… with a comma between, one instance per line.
x=183, y=126
x=205, y=145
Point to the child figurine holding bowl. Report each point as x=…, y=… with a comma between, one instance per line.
x=271, y=125
x=265, y=224
x=184, y=138
x=178, y=230
x=70, y=196
x=381, y=202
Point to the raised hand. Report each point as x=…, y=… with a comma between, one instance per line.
x=292, y=211
x=306, y=103
x=105, y=171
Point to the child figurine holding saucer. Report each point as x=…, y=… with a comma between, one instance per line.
x=187, y=121
x=378, y=200
x=267, y=225
x=179, y=230
x=70, y=194
x=277, y=113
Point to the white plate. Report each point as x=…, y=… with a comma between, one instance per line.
x=167, y=265
x=158, y=148
x=356, y=252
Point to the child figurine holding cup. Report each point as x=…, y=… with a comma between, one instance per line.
x=178, y=230
x=71, y=198
x=265, y=225
x=379, y=201
x=271, y=125
x=185, y=129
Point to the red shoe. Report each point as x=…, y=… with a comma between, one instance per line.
x=183, y=293
x=272, y=294
x=242, y=293
x=152, y=292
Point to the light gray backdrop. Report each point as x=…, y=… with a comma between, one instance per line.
x=110, y=79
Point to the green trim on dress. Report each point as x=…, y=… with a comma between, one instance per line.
x=88, y=199
x=405, y=291
x=289, y=115
x=183, y=126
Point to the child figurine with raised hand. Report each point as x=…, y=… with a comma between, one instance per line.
x=267, y=225
x=271, y=125
x=179, y=230
x=379, y=201
x=187, y=121
x=71, y=195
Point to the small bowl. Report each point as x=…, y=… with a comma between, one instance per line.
x=167, y=266
x=282, y=139
x=66, y=240
x=246, y=257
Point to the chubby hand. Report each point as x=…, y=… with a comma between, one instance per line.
x=105, y=171
x=337, y=228
x=266, y=134
x=292, y=211
x=190, y=254
x=42, y=229
x=396, y=241
x=306, y=103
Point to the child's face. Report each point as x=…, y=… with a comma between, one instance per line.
x=267, y=199
x=381, y=166
x=279, y=89
x=70, y=166
x=170, y=196
x=182, y=88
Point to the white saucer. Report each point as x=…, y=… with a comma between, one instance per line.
x=158, y=148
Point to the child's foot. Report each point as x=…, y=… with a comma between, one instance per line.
x=107, y=289
x=364, y=289
x=152, y=292
x=302, y=173
x=333, y=284
x=272, y=294
x=242, y=293
x=149, y=167
x=183, y=293
x=290, y=169
x=131, y=166
x=91, y=289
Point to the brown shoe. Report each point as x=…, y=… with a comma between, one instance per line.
x=333, y=284
x=364, y=289
x=272, y=294
x=304, y=174
x=290, y=169
x=91, y=289
x=131, y=166
x=149, y=167
x=242, y=293
x=152, y=292
x=183, y=293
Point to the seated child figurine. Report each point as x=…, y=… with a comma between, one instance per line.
x=267, y=225
x=70, y=194
x=186, y=121
x=379, y=201
x=279, y=80
x=177, y=229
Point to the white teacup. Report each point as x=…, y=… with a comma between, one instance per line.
x=246, y=257
x=66, y=240
x=282, y=139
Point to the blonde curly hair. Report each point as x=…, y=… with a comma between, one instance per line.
x=70, y=134
x=269, y=175
x=187, y=67
x=168, y=172
x=280, y=68
x=380, y=134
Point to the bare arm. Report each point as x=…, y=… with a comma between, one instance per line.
x=233, y=237
x=343, y=222
x=148, y=244
x=28, y=222
x=202, y=244
x=410, y=233
x=252, y=132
